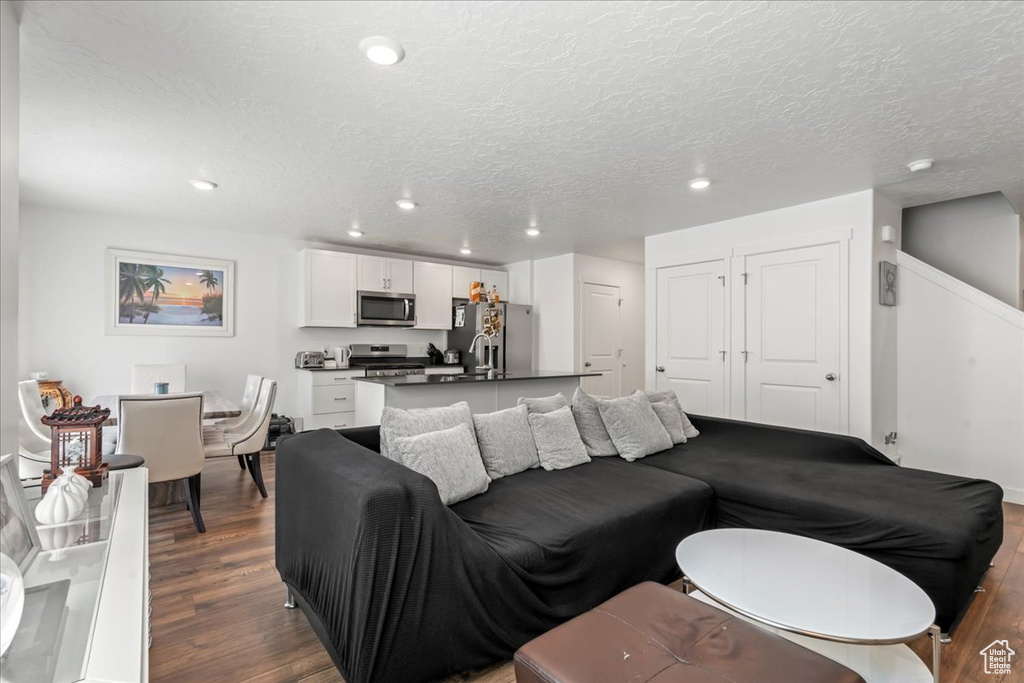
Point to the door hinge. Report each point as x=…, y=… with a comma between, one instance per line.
x=744, y=277
x=722, y=279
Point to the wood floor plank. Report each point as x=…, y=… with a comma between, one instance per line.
x=218, y=601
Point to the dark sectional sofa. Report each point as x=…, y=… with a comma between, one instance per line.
x=400, y=587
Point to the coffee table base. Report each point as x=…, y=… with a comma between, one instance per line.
x=874, y=663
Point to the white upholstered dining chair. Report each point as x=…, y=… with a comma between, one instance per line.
x=247, y=441
x=33, y=435
x=248, y=403
x=168, y=432
x=145, y=376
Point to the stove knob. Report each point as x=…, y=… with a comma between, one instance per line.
x=390, y=373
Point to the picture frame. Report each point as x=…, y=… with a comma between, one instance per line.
x=169, y=295
x=18, y=534
x=887, y=285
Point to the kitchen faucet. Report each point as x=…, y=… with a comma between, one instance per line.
x=490, y=355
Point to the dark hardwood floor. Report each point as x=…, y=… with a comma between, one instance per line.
x=218, y=614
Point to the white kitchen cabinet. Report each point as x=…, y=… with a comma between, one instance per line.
x=462, y=278
x=380, y=274
x=496, y=278
x=433, y=289
x=328, y=289
x=327, y=398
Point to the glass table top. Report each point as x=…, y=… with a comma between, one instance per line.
x=75, y=552
x=805, y=586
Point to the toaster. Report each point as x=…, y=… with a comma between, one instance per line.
x=309, y=359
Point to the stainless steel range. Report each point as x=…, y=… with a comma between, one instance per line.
x=384, y=360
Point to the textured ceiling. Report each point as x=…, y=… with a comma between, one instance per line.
x=588, y=118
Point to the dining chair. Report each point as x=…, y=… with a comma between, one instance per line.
x=168, y=432
x=33, y=435
x=145, y=376
x=248, y=440
x=246, y=407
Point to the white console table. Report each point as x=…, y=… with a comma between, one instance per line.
x=104, y=554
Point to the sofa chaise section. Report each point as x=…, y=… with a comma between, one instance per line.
x=400, y=587
x=940, y=531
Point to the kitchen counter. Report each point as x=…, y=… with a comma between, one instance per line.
x=483, y=394
x=435, y=380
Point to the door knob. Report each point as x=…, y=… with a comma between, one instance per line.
x=831, y=377
x=587, y=364
x=660, y=368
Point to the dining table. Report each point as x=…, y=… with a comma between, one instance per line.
x=216, y=406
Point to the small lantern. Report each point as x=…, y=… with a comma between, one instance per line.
x=77, y=442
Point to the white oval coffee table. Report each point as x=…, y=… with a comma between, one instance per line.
x=839, y=603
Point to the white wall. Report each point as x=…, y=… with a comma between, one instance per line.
x=9, y=102
x=853, y=212
x=554, y=295
x=974, y=239
x=62, y=324
x=629, y=278
x=884, y=413
x=961, y=379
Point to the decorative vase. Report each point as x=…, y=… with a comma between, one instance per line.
x=60, y=504
x=12, y=601
x=77, y=484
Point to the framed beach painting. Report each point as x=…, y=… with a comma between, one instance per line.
x=161, y=294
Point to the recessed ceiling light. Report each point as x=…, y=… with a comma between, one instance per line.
x=532, y=232
x=465, y=252
x=700, y=184
x=203, y=184
x=355, y=233
x=382, y=50
x=920, y=165
x=406, y=204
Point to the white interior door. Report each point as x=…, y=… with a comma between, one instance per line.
x=691, y=343
x=793, y=338
x=600, y=339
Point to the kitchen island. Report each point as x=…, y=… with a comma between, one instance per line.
x=484, y=394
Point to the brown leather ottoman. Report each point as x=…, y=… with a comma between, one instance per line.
x=654, y=633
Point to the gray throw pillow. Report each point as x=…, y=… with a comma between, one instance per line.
x=544, y=404
x=671, y=420
x=588, y=420
x=449, y=457
x=506, y=442
x=670, y=397
x=396, y=423
x=558, y=441
x=635, y=430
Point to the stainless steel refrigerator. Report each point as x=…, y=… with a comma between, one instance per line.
x=513, y=346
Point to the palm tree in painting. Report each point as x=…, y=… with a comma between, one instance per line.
x=132, y=285
x=209, y=279
x=153, y=279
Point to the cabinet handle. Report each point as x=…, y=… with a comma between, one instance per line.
x=341, y=399
x=336, y=426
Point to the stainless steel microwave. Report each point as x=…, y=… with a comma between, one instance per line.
x=385, y=309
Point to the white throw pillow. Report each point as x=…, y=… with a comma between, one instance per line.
x=671, y=420
x=396, y=423
x=544, y=404
x=670, y=397
x=558, y=440
x=450, y=458
x=588, y=420
x=635, y=430
x=506, y=442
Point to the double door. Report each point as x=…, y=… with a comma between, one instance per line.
x=381, y=274
x=756, y=337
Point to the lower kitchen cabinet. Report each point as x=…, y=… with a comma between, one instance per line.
x=327, y=398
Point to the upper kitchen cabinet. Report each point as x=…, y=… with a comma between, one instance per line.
x=496, y=278
x=462, y=279
x=328, y=290
x=433, y=289
x=380, y=274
